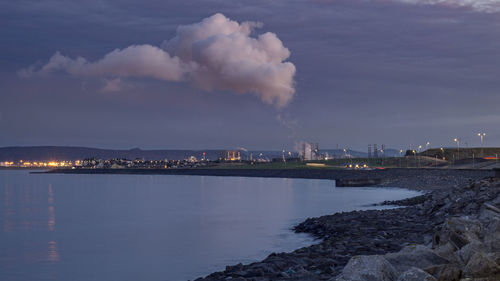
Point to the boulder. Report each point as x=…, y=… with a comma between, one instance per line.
x=416, y=274
x=487, y=214
x=445, y=272
x=492, y=237
x=459, y=231
x=447, y=252
x=368, y=268
x=469, y=250
x=481, y=265
x=492, y=207
x=414, y=256
x=449, y=272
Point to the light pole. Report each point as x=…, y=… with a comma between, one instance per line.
x=442, y=153
x=400, y=156
x=458, y=147
x=481, y=135
x=419, y=149
x=427, y=144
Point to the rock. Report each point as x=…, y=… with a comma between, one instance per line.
x=493, y=227
x=492, y=237
x=486, y=215
x=445, y=272
x=492, y=208
x=447, y=252
x=368, y=268
x=459, y=231
x=469, y=250
x=414, y=256
x=416, y=274
x=449, y=272
x=480, y=265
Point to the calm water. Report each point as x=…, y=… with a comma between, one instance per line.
x=127, y=227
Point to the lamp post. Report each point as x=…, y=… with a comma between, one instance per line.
x=458, y=147
x=400, y=156
x=481, y=135
x=419, y=149
x=427, y=144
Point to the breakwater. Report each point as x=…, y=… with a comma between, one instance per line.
x=419, y=179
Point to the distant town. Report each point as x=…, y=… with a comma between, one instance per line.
x=308, y=155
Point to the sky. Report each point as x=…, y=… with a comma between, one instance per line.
x=254, y=74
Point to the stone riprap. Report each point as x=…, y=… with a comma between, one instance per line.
x=447, y=234
x=420, y=179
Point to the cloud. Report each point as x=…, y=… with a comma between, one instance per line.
x=133, y=61
x=214, y=54
x=113, y=85
x=487, y=6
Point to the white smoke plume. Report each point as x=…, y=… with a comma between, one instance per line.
x=113, y=85
x=214, y=54
x=486, y=6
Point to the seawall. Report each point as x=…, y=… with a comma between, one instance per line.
x=420, y=179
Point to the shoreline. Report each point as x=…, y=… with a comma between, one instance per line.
x=386, y=239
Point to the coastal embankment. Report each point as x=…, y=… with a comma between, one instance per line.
x=416, y=179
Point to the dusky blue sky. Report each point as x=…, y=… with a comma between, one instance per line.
x=377, y=71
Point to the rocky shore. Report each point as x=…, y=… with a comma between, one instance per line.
x=450, y=233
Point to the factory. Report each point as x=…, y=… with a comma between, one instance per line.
x=308, y=151
x=232, y=155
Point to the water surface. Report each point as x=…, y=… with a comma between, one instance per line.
x=148, y=228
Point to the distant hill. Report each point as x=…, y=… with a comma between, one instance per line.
x=71, y=153
x=66, y=153
x=389, y=152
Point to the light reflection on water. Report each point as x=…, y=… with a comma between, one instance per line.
x=126, y=227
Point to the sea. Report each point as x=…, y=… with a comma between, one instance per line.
x=157, y=227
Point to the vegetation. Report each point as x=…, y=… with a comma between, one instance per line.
x=393, y=162
x=451, y=154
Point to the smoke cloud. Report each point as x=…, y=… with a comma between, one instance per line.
x=214, y=54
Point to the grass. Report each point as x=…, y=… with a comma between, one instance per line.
x=454, y=153
x=393, y=162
